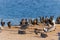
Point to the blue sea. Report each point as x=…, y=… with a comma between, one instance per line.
x=15, y=10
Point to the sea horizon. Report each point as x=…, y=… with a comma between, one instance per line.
x=15, y=10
